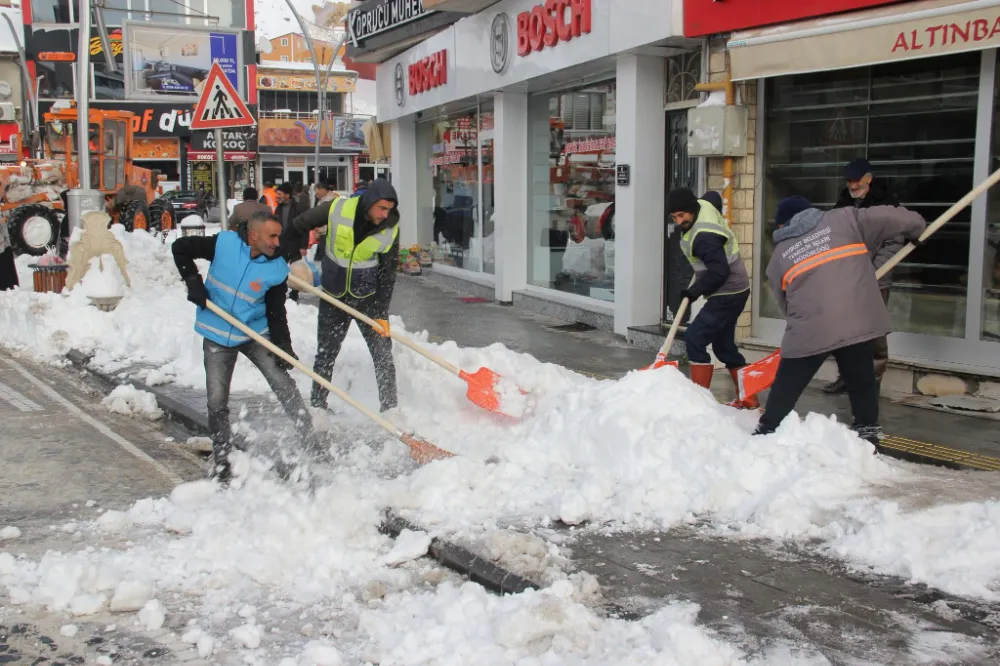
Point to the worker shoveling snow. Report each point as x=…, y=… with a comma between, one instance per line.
x=649, y=451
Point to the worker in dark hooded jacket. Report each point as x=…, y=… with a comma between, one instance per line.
x=864, y=191
x=721, y=277
x=359, y=268
x=822, y=277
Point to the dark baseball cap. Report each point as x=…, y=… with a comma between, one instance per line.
x=857, y=168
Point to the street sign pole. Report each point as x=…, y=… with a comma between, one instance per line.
x=221, y=169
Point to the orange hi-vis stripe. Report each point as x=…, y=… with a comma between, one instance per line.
x=836, y=253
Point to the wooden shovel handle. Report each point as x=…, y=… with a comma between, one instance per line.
x=672, y=333
x=274, y=349
x=940, y=222
x=398, y=337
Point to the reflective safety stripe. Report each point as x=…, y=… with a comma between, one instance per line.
x=226, y=288
x=815, y=261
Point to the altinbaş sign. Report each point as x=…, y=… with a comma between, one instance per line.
x=946, y=34
x=550, y=23
x=366, y=21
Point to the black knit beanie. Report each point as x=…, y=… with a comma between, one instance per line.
x=682, y=200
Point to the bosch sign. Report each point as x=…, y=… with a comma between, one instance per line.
x=550, y=23
x=429, y=73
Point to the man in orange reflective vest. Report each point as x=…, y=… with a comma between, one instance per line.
x=270, y=196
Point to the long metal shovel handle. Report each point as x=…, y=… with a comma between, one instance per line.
x=302, y=285
x=277, y=351
x=940, y=222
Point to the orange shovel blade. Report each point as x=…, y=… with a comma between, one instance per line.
x=482, y=389
x=657, y=364
x=759, y=375
x=423, y=451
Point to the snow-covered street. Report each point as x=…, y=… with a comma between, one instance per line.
x=278, y=573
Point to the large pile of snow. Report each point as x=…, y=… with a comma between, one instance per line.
x=649, y=451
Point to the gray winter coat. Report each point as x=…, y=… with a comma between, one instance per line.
x=822, y=275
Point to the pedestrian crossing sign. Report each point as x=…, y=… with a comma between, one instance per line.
x=220, y=105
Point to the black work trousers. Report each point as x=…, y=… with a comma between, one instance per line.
x=794, y=374
x=332, y=329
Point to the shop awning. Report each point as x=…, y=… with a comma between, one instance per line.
x=377, y=139
x=884, y=34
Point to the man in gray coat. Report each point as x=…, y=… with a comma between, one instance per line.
x=246, y=208
x=822, y=277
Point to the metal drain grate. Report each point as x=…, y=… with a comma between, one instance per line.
x=575, y=327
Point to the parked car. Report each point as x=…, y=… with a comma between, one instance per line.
x=187, y=202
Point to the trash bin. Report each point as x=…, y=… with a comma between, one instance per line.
x=49, y=278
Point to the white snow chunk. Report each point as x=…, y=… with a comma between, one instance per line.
x=409, y=546
x=130, y=401
x=512, y=401
x=319, y=653
x=7, y=563
x=87, y=604
x=574, y=509
x=113, y=521
x=193, y=493
x=180, y=522
x=247, y=612
x=130, y=596
x=9, y=532
x=192, y=635
x=152, y=615
x=206, y=646
x=69, y=630
x=106, y=283
x=715, y=98
x=91, y=503
x=104, y=660
x=247, y=635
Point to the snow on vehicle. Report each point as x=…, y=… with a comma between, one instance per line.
x=33, y=204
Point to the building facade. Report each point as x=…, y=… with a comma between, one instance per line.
x=533, y=151
x=913, y=88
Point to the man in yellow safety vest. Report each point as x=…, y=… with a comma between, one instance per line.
x=359, y=268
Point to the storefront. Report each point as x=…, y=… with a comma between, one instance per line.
x=239, y=159
x=287, y=151
x=530, y=147
x=913, y=88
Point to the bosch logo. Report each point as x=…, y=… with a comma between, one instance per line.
x=500, y=42
x=399, y=84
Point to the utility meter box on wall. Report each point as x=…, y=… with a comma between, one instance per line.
x=717, y=131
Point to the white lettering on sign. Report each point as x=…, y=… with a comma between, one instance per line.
x=388, y=14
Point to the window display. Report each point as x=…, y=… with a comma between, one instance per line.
x=571, y=224
x=461, y=220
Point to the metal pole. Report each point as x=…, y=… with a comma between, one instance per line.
x=221, y=169
x=83, y=95
x=319, y=90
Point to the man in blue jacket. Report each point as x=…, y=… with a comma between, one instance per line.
x=246, y=278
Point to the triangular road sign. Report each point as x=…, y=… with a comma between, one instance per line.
x=220, y=105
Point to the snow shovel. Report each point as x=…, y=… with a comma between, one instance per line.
x=759, y=375
x=661, y=356
x=420, y=449
x=482, y=383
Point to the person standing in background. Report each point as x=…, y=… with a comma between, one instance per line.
x=865, y=191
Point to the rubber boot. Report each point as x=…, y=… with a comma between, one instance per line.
x=749, y=403
x=836, y=387
x=701, y=374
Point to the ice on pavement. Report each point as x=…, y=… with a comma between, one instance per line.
x=647, y=452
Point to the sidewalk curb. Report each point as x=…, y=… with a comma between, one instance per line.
x=178, y=412
x=460, y=559
x=455, y=557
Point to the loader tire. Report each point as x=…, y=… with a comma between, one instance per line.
x=33, y=229
x=162, y=215
x=135, y=215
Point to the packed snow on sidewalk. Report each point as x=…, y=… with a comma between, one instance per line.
x=648, y=451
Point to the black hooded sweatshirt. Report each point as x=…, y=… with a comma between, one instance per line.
x=380, y=188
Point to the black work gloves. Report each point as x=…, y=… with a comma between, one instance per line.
x=287, y=348
x=197, y=293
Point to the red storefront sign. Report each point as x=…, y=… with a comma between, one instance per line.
x=709, y=17
x=550, y=23
x=945, y=34
x=228, y=156
x=429, y=73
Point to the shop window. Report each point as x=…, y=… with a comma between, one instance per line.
x=107, y=85
x=272, y=172
x=460, y=223
x=55, y=80
x=572, y=162
x=335, y=176
x=915, y=121
x=52, y=11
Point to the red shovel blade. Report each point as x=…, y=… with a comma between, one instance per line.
x=423, y=451
x=660, y=362
x=482, y=389
x=759, y=375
